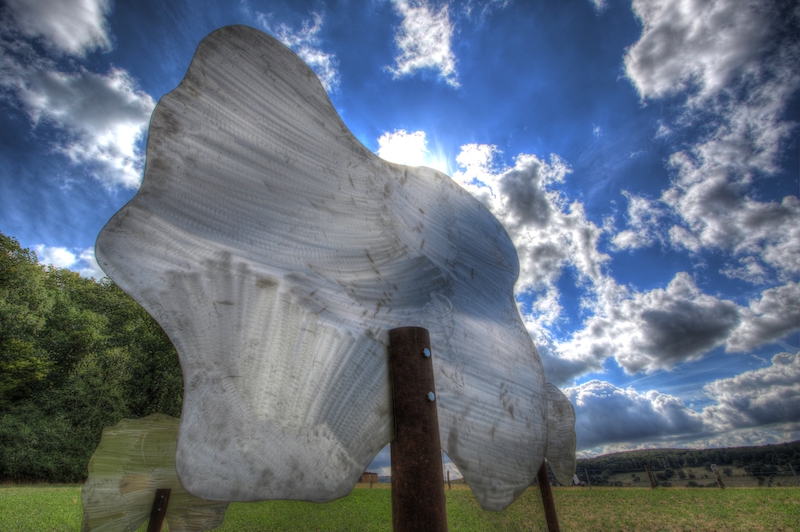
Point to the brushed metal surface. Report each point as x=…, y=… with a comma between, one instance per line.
x=277, y=252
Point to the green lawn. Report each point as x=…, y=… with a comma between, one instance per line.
x=45, y=508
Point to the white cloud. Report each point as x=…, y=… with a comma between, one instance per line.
x=559, y=370
x=70, y=26
x=736, y=65
x=759, y=397
x=774, y=315
x=102, y=118
x=731, y=438
x=89, y=265
x=696, y=44
x=718, y=215
x=654, y=330
x=658, y=329
x=643, y=221
x=608, y=414
x=767, y=435
x=61, y=257
x=750, y=269
x=753, y=408
x=410, y=149
x=710, y=192
x=305, y=42
x=548, y=232
x=423, y=41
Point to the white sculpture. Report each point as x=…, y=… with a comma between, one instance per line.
x=277, y=252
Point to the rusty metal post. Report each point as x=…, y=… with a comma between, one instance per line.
x=719, y=479
x=159, y=510
x=418, y=502
x=795, y=474
x=547, y=499
x=650, y=476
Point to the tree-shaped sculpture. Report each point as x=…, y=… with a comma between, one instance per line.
x=277, y=252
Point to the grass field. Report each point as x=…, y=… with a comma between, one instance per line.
x=51, y=508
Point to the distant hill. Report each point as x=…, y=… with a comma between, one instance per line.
x=779, y=454
x=757, y=462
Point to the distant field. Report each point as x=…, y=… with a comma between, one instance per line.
x=56, y=508
x=738, y=479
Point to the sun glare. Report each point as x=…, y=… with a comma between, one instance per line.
x=410, y=149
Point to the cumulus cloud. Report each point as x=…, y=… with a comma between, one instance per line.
x=759, y=397
x=551, y=235
x=696, y=44
x=732, y=438
x=749, y=268
x=647, y=331
x=755, y=407
x=102, y=117
x=105, y=116
x=549, y=232
x=306, y=43
x=423, y=41
x=607, y=414
x=771, y=317
x=560, y=370
x=736, y=65
x=72, y=27
x=61, y=257
x=643, y=224
x=658, y=329
x=717, y=214
x=58, y=257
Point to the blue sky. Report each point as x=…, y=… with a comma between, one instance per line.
x=643, y=158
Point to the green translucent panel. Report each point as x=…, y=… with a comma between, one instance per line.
x=561, y=439
x=134, y=459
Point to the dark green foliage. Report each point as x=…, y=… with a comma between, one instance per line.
x=75, y=356
x=762, y=461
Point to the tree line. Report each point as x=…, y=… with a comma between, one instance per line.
x=75, y=356
x=757, y=461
